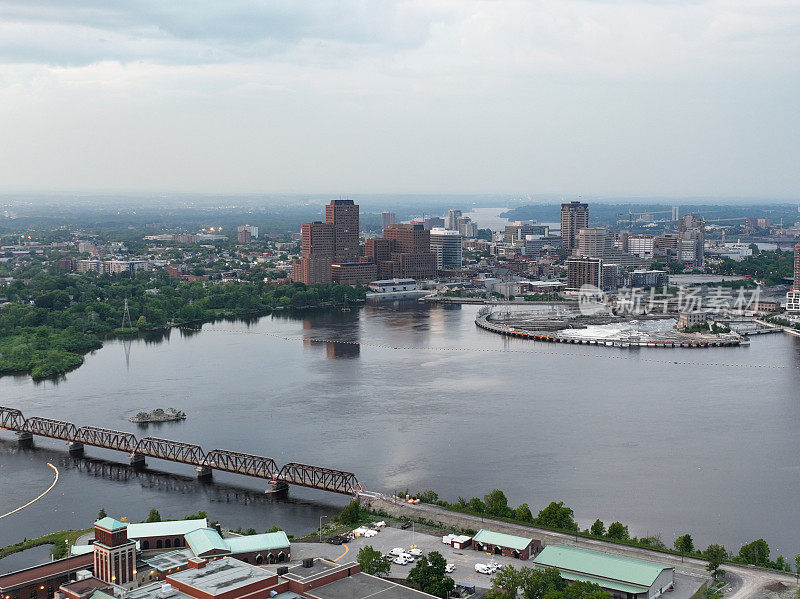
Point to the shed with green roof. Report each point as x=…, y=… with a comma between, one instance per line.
x=499, y=543
x=623, y=577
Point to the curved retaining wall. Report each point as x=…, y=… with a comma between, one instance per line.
x=483, y=322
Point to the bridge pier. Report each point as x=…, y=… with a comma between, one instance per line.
x=25, y=438
x=204, y=472
x=276, y=488
x=137, y=460
x=75, y=447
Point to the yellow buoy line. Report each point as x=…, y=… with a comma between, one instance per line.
x=32, y=501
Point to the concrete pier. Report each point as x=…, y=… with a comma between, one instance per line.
x=26, y=438
x=75, y=447
x=204, y=472
x=137, y=460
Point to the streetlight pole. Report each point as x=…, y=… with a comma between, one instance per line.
x=320, y=527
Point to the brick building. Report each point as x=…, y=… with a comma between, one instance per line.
x=41, y=582
x=354, y=273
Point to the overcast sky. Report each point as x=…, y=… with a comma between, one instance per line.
x=553, y=96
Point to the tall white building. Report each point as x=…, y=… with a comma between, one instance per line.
x=446, y=245
x=452, y=219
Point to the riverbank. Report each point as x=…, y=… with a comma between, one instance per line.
x=756, y=580
x=61, y=541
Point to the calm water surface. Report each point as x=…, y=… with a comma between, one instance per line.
x=416, y=402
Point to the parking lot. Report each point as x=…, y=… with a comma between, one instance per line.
x=464, y=559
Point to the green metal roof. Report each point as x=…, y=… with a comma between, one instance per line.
x=81, y=549
x=265, y=542
x=601, y=565
x=172, y=528
x=204, y=540
x=606, y=584
x=109, y=523
x=501, y=539
x=102, y=595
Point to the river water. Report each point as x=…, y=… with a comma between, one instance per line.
x=667, y=441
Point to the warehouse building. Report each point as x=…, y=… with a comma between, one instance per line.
x=623, y=577
x=499, y=543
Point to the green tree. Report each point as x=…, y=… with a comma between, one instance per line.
x=102, y=514
x=585, y=590
x=523, y=513
x=372, y=562
x=476, y=505
x=539, y=584
x=756, y=553
x=153, y=516
x=684, y=544
x=428, y=575
x=509, y=579
x=351, y=513
x=598, y=529
x=715, y=555
x=782, y=565
x=618, y=531
x=496, y=503
x=797, y=563
x=141, y=322
x=557, y=515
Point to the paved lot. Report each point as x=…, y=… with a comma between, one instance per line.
x=464, y=559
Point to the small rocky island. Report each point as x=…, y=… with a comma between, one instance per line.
x=158, y=415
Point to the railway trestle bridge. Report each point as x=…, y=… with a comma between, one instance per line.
x=223, y=460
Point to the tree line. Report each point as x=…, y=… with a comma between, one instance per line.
x=558, y=516
x=52, y=320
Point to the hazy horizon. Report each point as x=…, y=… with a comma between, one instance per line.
x=610, y=98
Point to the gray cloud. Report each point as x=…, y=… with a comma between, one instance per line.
x=83, y=31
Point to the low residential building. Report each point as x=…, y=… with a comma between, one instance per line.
x=508, y=545
x=623, y=577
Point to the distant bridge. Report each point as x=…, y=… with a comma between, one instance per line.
x=224, y=460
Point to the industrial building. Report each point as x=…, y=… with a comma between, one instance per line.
x=508, y=545
x=623, y=577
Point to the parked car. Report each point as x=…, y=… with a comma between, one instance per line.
x=397, y=551
x=335, y=540
x=415, y=552
x=405, y=525
x=483, y=569
x=402, y=560
x=449, y=568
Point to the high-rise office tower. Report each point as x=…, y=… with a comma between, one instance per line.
x=343, y=215
x=387, y=218
x=574, y=217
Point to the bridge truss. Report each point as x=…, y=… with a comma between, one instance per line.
x=224, y=460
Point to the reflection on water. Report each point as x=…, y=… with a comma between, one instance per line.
x=420, y=398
